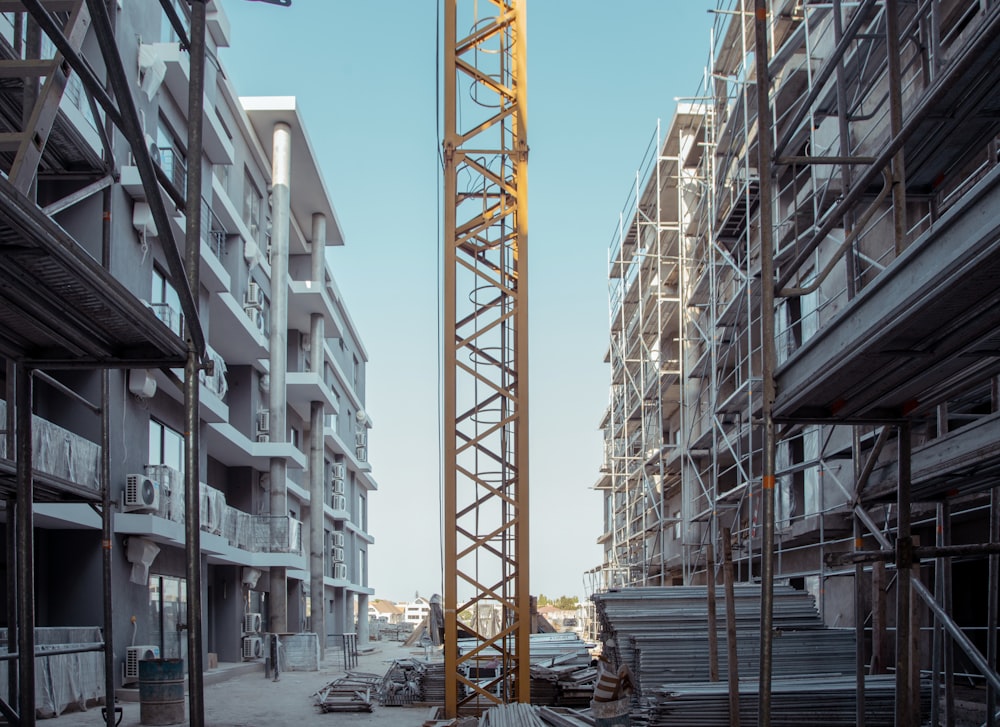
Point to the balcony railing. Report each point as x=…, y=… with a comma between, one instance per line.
x=251, y=533
x=173, y=319
x=213, y=232
x=173, y=163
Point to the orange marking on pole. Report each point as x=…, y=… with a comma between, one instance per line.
x=768, y=482
x=857, y=543
x=106, y=544
x=761, y=13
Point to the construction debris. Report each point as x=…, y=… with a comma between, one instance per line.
x=402, y=683
x=822, y=699
x=350, y=693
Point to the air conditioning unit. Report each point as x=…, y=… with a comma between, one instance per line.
x=340, y=571
x=142, y=494
x=337, y=555
x=256, y=317
x=337, y=471
x=254, y=297
x=252, y=623
x=361, y=437
x=135, y=654
x=263, y=421
x=337, y=539
x=304, y=343
x=338, y=502
x=338, y=487
x=362, y=454
x=263, y=438
x=253, y=647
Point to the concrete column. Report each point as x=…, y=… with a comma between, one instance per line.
x=362, y=619
x=281, y=167
x=317, y=492
x=318, y=258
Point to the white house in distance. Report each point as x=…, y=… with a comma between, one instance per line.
x=415, y=611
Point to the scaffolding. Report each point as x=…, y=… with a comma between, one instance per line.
x=882, y=160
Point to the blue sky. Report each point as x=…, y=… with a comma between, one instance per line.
x=599, y=77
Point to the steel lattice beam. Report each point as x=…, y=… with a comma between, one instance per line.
x=485, y=349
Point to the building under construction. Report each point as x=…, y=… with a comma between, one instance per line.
x=184, y=467
x=805, y=312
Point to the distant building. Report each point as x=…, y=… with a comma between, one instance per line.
x=416, y=611
x=386, y=611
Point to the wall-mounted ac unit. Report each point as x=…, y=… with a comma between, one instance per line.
x=340, y=571
x=253, y=647
x=337, y=471
x=362, y=454
x=304, y=342
x=135, y=654
x=252, y=623
x=263, y=438
x=361, y=437
x=337, y=555
x=263, y=421
x=338, y=502
x=254, y=297
x=338, y=487
x=256, y=317
x=337, y=539
x=142, y=494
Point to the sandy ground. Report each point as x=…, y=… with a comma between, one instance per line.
x=252, y=700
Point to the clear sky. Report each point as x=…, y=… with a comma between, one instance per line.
x=600, y=74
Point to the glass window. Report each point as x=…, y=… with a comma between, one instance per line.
x=168, y=615
x=166, y=445
x=171, y=155
x=252, y=200
x=167, y=32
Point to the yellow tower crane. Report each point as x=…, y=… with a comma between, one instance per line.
x=485, y=331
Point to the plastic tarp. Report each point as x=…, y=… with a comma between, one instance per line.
x=59, y=452
x=62, y=680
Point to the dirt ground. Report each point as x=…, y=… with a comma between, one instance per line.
x=252, y=700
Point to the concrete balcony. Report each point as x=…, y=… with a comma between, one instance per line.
x=212, y=393
x=307, y=297
x=233, y=448
x=217, y=145
x=304, y=387
x=228, y=534
x=238, y=337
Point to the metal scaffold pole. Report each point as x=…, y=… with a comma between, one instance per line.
x=192, y=438
x=767, y=341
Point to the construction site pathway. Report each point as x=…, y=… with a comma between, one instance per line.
x=253, y=700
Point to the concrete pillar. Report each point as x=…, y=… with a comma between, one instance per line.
x=318, y=258
x=317, y=497
x=281, y=167
x=363, y=619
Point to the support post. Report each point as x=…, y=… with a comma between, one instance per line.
x=192, y=405
x=732, y=660
x=10, y=396
x=904, y=563
x=713, y=634
x=992, y=604
x=24, y=526
x=764, y=145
